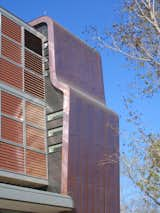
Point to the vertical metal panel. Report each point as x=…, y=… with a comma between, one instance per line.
x=11, y=158
x=36, y=164
x=92, y=142
x=35, y=138
x=12, y=130
x=11, y=29
x=11, y=50
x=77, y=64
x=10, y=73
x=11, y=105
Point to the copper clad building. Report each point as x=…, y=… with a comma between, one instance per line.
x=59, y=142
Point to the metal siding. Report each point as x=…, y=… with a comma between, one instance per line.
x=11, y=74
x=36, y=164
x=35, y=115
x=11, y=158
x=33, y=85
x=32, y=139
x=11, y=105
x=11, y=29
x=11, y=50
x=23, y=139
x=33, y=62
x=11, y=130
x=88, y=137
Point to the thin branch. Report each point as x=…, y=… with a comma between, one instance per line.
x=118, y=49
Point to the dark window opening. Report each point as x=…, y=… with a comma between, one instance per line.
x=33, y=43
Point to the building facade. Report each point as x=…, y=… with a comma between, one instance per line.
x=59, y=142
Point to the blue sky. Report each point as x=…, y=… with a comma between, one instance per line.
x=75, y=15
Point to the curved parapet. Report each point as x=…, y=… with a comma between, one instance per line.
x=90, y=165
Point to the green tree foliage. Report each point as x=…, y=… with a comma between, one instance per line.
x=137, y=37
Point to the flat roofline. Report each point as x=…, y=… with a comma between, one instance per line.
x=21, y=22
x=32, y=200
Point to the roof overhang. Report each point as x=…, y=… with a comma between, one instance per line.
x=32, y=200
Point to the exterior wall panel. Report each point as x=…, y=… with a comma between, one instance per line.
x=36, y=164
x=33, y=85
x=11, y=29
x=35, y=115
x=22, y=117
x=35, y=138
x=8, y=72
x=90, y=152
x=11, y=158
x=12, y=130
x=33, y=62
x=92, y=156
x=11, y=105
x=11, y=50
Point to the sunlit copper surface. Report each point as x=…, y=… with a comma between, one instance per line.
x=90, y=167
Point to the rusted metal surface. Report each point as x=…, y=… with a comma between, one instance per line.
x=90, y=166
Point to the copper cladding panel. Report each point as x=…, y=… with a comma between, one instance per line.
x=35, y=138
x=76, y=64
x=11, y=158
x=11, y=50
x=33, y=84
x=36, y=164
x=33, y=62
x=90, y=163
x=93, y=178
x=8, y=72
x=35, y=115
x=12, y=130
x=11, y=105
x=11, y=29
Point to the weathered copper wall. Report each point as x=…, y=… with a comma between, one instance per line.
x=92, y=164
x=76, y=64
x=90, y=167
